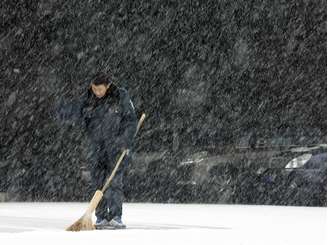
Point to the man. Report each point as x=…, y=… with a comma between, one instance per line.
x=108, y=116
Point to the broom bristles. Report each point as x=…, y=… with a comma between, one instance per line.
x=83, y=224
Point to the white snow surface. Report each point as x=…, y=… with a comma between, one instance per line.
x=44, y=223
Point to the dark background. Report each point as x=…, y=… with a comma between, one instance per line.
x=232, y=82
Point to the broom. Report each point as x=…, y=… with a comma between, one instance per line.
x=85, y=222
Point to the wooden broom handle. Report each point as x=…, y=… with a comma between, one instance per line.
x=109, y=180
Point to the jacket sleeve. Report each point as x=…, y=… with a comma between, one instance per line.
x=128, y=125
x=71, y=112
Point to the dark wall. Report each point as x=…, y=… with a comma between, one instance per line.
x=205, y=72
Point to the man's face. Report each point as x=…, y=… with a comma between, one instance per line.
x=99, y=90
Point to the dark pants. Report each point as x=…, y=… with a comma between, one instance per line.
x=102, y=164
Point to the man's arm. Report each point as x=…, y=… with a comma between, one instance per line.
x=71, y=112
x=128, y=126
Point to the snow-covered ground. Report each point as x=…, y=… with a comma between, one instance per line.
x=44, y=223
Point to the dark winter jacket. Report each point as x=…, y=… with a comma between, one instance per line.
x=110, y=120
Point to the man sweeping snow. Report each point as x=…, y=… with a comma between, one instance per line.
x=108, y=116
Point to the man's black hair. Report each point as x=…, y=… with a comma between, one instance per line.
x=102, y=78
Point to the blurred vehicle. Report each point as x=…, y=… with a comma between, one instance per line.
x=300, y=175
x=289, y=176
